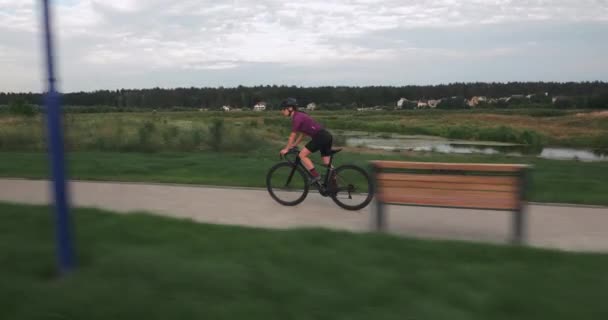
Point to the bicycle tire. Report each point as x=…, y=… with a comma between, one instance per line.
x=370, y=189
x=299, y=175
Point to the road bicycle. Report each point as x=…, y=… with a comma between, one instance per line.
x=289, y=182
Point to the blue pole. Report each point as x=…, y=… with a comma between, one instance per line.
x=56, y=154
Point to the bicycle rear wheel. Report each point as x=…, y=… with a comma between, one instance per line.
x=287, y=184
x=354, y=188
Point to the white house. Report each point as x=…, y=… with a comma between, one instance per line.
x=401, y=102
x=311, y=106
x=422, y=104
x=260, y=106
x=475, y=101
x=433, y=103
x=226, y=108
x=516, y=97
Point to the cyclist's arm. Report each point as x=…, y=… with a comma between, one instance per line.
x=290, y=143
x=299, y=139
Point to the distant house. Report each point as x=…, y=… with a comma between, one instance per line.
x=226, y=108
x=475, y=101
x=365, y=109
x=557, y=99
x=401, y=102
x=422, y=104
x=433, y=103
x=311, y=106
x=260, y=106
x=516, y=97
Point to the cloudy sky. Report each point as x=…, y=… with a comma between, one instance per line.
x=109, y=44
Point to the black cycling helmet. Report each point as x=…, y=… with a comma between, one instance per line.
x=289, y=102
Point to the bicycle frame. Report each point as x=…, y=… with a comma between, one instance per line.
x=298, y=163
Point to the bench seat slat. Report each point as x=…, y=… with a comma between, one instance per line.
x=447, y=178
x=455, y=198
x=447, y=185
x=480, y=167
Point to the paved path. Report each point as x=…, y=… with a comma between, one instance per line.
x=563, y=227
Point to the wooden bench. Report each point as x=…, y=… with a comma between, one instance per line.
x=452, y=185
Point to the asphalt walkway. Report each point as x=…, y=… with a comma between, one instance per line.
x=577, y=228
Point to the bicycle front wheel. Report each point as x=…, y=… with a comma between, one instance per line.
x=354, y=188
x=286, y=184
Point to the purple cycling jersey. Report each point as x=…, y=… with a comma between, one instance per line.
x=304, y=123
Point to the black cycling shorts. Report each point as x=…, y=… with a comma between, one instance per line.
x=322, y=141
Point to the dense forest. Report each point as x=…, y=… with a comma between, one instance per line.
x=454, y=95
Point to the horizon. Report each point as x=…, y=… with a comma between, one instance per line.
x=323, y=86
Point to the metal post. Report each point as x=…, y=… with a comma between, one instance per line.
x=56, y=154
x=519, y=216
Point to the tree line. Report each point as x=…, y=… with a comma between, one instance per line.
x=577, y=94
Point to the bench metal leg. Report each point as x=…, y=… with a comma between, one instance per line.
x=380, y=216
x=519, y=225
x=519, y=216
x=379, y=206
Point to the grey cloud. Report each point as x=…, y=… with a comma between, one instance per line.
x=101, y=44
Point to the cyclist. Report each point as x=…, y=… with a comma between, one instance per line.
x=302, y=124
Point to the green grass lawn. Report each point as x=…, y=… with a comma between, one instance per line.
x=551, y=180
x=139, y=266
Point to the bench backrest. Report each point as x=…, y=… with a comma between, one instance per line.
x=459, y=185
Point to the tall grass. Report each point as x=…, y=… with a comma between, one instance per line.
x=188, y=131
x=466, y=132
x=132, y=134
x=21, y=134
x=500, y=133
x=348, y=123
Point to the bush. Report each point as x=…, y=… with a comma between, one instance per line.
x=169, y=134
x=460, y=132
x=243, y=140
x=532, y=138
x=18, y=140
x=145, y=134
x=502, y=134
x=21, y=108
x=602, y=142
x=216, y=133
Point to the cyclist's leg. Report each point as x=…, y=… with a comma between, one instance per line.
x=304, y=153
x=321, y=141
x=325, y=150
x=308, y=164
x=311, y=147
x=325, y=147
